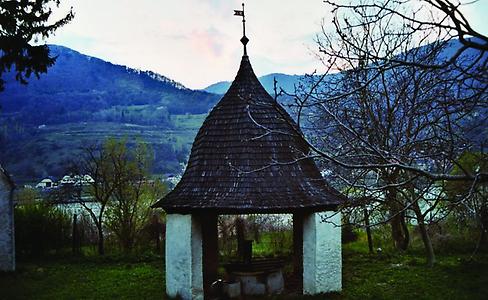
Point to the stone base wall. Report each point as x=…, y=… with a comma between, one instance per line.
x=184, y=274
x=7, y=244
x=322, y=253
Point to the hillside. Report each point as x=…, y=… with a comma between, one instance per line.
x=50, y=149
x=83, y=88
x=83, y=100
x=283, y=81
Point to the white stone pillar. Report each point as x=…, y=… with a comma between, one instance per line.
x=184, y=274
x=322, y=253
x=7, y=243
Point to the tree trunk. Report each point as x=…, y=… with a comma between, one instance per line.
x=126, y=237
x=428, y=244
x=483, y=223
x=368, y=230
x=399, y=229
x=101, y=247
x=75, y=236
x=158, y=242
x=483, y=235
x=406, y=233
x=425, y=235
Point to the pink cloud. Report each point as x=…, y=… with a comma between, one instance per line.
x=207, y=42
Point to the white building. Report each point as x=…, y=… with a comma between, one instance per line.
x=7, y=243
x=46, y=183
x=76, y=179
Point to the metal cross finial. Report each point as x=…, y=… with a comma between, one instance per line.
x=244, y=39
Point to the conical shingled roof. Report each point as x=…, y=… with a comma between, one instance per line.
x=248, y=158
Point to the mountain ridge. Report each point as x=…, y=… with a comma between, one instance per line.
x=83, y=100
x=287, y=82
x=80, y=82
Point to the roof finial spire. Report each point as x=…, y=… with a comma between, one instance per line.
x=244, y=39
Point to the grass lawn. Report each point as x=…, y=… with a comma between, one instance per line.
x=84, y=279
x=364, y=277
x=407, y=277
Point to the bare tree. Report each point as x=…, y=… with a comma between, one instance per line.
x=97, y=163
x=474, y=208
x=375, y=51
x=120, y=188
x=425, y=22
x=129, y=209
x=397, y=106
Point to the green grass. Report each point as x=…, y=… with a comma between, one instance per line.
x=276, y=244
x=407, y=277
x=85, y=279
x=365, y=276
x=188, y=121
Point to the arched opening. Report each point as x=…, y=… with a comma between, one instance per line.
x=255, y=254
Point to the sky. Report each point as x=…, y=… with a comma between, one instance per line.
x=196, y=42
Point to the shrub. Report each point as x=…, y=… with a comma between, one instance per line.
x=348, y=234
x=40, y=228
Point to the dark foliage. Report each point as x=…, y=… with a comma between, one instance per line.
x=348, y=234
x=20, y=23
x=40, y=229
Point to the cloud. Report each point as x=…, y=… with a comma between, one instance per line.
x=196, y=42
x=208, y=43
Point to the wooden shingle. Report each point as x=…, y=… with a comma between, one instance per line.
x=249, y=157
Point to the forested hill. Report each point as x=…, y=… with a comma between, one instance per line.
x=83, y=100
x=83, y=88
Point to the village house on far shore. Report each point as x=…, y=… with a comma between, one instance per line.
x=77, y=180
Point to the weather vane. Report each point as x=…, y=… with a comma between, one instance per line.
x=244, y=39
